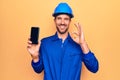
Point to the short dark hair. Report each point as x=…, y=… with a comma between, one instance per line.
x=55, y=15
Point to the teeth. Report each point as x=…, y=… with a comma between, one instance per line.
x=62, y=26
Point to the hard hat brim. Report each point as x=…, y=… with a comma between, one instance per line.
x=56, y=14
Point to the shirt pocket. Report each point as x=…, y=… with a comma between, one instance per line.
x=75, y=59
x=75, y=56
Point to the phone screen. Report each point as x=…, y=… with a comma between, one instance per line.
x=34, y=35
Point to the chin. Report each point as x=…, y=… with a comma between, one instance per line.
x=63, y=32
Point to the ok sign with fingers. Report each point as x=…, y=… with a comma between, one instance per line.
x=80, y=39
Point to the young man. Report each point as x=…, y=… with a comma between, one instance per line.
x=60, y=55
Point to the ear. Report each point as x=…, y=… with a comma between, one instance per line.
x=54, y=19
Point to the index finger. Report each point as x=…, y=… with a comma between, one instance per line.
x=78, y=26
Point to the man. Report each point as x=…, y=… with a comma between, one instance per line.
x=60, y=55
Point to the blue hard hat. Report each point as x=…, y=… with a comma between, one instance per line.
x=63, y=8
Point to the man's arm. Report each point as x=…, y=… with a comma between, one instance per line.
x=91, y=62
x=89, y=59
x=37, y=62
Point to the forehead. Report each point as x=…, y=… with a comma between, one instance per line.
x=63, y=16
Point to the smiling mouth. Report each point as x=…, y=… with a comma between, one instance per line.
x=62, y=27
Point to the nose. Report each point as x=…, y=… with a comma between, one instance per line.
x=62, y=21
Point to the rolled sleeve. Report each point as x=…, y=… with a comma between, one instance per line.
x=90, y=62
x=37, y=66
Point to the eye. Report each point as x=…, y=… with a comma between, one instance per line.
x=59, y=18
x=66, y=19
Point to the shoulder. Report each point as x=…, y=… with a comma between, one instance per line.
x=47, y=39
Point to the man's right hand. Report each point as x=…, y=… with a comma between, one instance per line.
x=33, y=49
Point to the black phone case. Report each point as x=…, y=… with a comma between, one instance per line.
x=34, y=35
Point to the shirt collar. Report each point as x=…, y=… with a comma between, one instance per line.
x=55, y=37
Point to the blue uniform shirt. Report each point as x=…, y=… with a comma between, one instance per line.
x=63, y=60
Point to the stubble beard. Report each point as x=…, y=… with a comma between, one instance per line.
x=61, y=31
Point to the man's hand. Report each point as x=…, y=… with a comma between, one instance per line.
x=79, y=36
x=33, y=49
x=80, y=39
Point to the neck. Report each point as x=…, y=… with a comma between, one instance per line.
x=62, y=36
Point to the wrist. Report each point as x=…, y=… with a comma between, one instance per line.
x=83, y=43
x=84, y=47
x=35, y=59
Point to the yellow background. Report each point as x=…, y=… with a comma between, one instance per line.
x=100, y=20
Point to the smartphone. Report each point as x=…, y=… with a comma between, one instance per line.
x=34, y=35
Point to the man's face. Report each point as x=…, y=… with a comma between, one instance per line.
x=62, y=22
